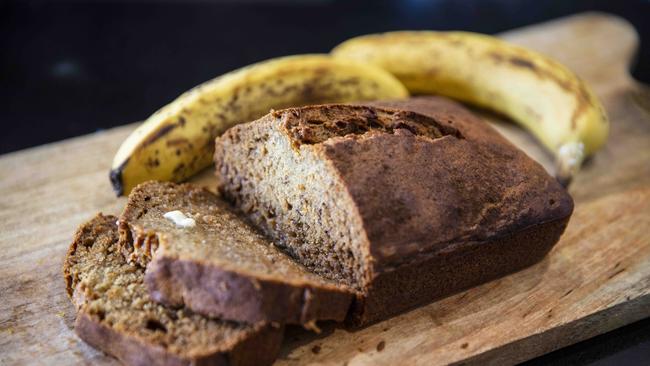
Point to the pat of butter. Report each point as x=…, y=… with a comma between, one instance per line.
x=180, y=219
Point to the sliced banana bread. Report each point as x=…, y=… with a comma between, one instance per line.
x=116, y=315
x=219, y=265
x=404, y=201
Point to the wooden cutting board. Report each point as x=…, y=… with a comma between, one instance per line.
x=596, y=279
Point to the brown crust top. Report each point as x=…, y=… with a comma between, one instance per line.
x=221, y=267
x=115, y=313
x=317, y=124
x=444, y=191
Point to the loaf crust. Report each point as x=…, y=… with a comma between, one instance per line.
x=222, y=267
x=115, y=314
x=424, y=187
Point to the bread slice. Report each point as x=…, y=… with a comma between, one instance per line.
x=404, y=201
x=221, y=266
x=116, y=315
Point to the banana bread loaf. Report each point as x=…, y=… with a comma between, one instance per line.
x=404, y=201
x=220, y=266
x=116, y=315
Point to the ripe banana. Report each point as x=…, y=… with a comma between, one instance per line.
x=178, y=140
x=540, y=94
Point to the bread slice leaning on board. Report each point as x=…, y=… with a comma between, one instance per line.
x=116, y=314
x=404, y=201
x=220, y=265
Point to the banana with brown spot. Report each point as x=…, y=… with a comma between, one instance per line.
x=178, y=140
x=540, y=94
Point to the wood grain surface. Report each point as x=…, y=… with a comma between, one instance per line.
x=595, y=280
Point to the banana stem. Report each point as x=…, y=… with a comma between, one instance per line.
x=568, y=161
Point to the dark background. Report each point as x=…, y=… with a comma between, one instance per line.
x=71, y=68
